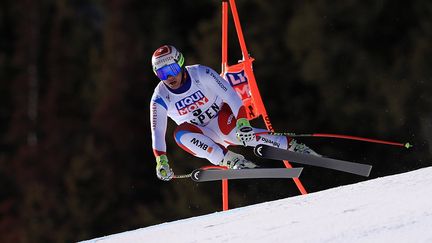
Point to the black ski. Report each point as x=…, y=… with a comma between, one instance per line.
x=268, y=152
x=201, y=175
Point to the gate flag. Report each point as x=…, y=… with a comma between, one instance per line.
x=239, y=76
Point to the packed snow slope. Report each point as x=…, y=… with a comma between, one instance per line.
x=395, y=208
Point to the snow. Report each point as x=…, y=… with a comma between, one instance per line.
x=395, y=208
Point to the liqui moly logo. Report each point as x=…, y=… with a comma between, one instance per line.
x=239, y=81
x=237, y=78
x=191, y=103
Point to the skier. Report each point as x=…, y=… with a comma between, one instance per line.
x=209, y=114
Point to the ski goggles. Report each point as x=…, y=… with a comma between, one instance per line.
x=169, y=70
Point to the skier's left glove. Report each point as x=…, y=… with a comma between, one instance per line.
x=245, y=133
x=163, y=170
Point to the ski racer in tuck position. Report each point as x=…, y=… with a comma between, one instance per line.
x=209, y=114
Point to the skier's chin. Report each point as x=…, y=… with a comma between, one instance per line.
x=174, y=84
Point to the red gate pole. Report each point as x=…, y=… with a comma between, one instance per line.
x=225, y=205
x=224, y=35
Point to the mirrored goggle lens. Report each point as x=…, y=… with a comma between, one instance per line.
x=168, y=70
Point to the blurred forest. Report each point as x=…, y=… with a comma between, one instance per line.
x=76, y=81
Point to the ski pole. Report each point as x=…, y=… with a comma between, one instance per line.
x=328, y=135
x=209, y=167
x=182, y=176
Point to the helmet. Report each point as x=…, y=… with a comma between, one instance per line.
x=167, y=61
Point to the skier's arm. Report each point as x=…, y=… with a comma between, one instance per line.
x=224, y=90
x=158, y=121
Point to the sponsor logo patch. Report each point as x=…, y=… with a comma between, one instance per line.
x=269, y=141
x=239, y=81
x=162, y=51
x=203, y=117
x=191, y=103
x=217, y=79
x=237, y=78
x=202, y=145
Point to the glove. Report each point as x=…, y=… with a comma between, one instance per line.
x=163, y=170
x=245, y=132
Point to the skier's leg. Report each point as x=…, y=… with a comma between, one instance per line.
x=192, y=139
x=221, y=130
x=198, y=141
x=277, y=141
x=226, y=127
x=281, y=141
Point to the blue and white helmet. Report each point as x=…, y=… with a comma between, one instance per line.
x=167, y=61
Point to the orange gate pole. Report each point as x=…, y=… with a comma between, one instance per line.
x=225, y=205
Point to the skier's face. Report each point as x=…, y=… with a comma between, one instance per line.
x=174, y=82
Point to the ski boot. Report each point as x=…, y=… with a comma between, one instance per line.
x=294, y=146
x=236, y=161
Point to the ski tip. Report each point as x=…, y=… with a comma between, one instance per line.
x=367, y=174
x=300, y=170
x=408, y=145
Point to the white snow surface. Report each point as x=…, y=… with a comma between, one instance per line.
x=395, y=208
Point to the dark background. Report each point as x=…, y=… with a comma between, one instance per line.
x=76, y=80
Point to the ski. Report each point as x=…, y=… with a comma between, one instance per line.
x=268, y=152
x=202, y=175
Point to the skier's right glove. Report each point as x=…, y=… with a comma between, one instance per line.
x=163, y=170
x=245, y=132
